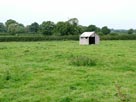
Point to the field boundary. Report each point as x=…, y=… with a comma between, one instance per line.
x=69, y=37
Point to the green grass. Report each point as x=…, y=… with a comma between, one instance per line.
x=45, y=72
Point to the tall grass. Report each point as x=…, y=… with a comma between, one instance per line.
x=83, y=61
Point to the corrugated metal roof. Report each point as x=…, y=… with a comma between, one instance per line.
x=87, y=34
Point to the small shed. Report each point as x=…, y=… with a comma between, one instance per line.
x=87, y=38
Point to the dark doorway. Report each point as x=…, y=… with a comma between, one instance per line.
x=91, y=40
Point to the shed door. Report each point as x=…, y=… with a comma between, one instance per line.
x=91, y=40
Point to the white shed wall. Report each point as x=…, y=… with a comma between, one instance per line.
x=97, y=39
x=84, y=41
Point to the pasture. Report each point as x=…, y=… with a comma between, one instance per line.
x=64, y=71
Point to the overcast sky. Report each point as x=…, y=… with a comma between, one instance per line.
x=118, y=14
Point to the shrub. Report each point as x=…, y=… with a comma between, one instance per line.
x=32, y=38
x=114, y=34
x=68, y=37
x=119, y=37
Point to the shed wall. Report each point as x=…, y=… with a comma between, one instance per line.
x=97, y=39
x=84, y=41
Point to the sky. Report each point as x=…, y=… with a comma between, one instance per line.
x=116, y=14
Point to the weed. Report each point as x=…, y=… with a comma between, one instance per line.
x=7, y=76
x=26, y=50
x=66, y=99
x=83, y=61
x=123, y=97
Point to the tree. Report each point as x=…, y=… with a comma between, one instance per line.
x=74, y=30
x=67, y=28
x=98, y=30
x=73, y=26
x=130, y=31
x=34, y=27
x=12, y=28
x=80, y=29
x=91, y=28
x=2, y=27
x=10, y=21
x=15, y=28
x=20, y=28
x=47, y=27
x=105, y=30
x=62, y=28
x=73, y=21
x=59, y=28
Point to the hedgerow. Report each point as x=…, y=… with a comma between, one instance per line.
x=68, y=37
x=28, y=38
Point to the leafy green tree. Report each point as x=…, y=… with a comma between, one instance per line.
x=62, y=28
x=20, y=28
x=15, y=28
x=91, y=28
x=74, y=30
x=47, y=27
x=2, y=27
x=73, y=21
x=73, y=26
x=130, y=31
x=12, y=28
x=105, y=30
x=82, y=28
x=67, y=28
x=27, y=29
x=34, y=27
x=10, y=21
x=98, y=30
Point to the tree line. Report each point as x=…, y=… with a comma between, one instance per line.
x=70, y=27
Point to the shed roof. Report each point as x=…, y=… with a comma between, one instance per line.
x=87, y=34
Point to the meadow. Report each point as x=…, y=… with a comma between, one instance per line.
x=64, y=71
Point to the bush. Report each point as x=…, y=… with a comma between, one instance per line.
x=119, y=37
x=7, y=38
x=30, y=38
x=114, y=34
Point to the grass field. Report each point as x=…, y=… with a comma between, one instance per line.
x=64, y=71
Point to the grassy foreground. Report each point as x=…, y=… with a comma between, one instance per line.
x=64, y=71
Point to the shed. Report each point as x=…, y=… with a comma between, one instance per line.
x=87, y=38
